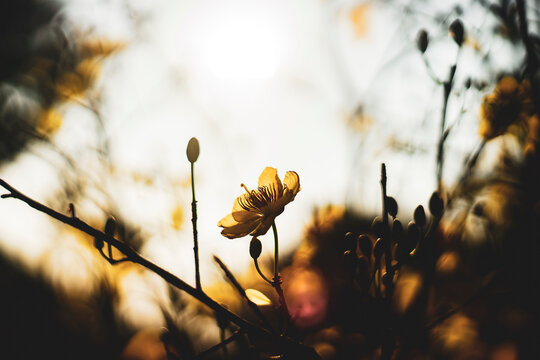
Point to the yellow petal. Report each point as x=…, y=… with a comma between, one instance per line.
x=263, y=227
x=270, y=178
x=240, y=229
x=245, y=216
x=258, y=297
x=227, y=221
x=292, y=183
x=240, y=199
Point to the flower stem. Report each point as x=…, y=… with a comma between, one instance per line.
x=276, y=251
x=261, y=273
x=195, y=237
x=134, y=257
x=276, y=283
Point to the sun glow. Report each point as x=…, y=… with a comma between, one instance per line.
x=241, y=42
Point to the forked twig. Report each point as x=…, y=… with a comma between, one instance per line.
x=131, y=255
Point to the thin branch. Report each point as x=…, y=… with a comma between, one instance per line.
x=241, y=291
x=175, y=281
x=195, y=236
x=216, y=347
x=447, y=86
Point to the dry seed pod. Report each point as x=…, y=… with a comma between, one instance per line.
x=422, y=41
x=391, y=206
x=457, y=31
x=364, y=242
x=255, y=248
x=193, y=150
x=436, y=205
x=419, y=216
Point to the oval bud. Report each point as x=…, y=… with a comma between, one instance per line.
x=98, y=243
x=364, y=242
x=391, y=206
x=110, y=226
x=350, y=241
x=192, y=150
x=397, y=228
x=413, y=235
x=436, y=204
x=379, y=248
x=255, y=248
x=419, y=216
x=457, y=32
x=377, y=226
x=350, y=261
x=422, y=41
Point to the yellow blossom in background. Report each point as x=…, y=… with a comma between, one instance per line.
x=100, y=47
x=49, y=121
x=75, y=83
x=254, y=212
x=177, y=217
x=359, y=17
x=510, y=103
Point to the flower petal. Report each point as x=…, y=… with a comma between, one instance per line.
x=245, y=216
x=270, y=179
x=263, y=227
x=227, y=221
x=241, y=229
x=292, y=183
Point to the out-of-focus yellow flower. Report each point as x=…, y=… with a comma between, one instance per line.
x=254, y=212
x=359, y=17
x=49, y=121
x=509, y=103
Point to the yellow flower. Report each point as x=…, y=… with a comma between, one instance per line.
x=254, y=212
x=509, y=104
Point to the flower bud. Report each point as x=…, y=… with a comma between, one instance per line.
x=98, y=243
x=397, y=228
x=422, y=41
x=364, y=242
x=192, y=150
x=110, y=226
x=379, y=248
x=350, y=241
x=391, y=206
x=413, y=235
x=255, y=248
x=419, y=216
x=436, y=204
x=350, y=261
x=377, y=226
x=457, y=31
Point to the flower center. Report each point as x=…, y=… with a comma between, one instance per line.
x=257, y=199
